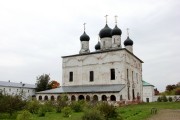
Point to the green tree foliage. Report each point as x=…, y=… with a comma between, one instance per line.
x=25, y=115
x=159, y=99
x=108, y=111
x=164, y=98
x=33, y=106
x=170, y=99
x=77, y=106
x=92, y=114
x=66, y=111
x=61, y=103
x=42, y=111
x=42, y=82
x=11, y=104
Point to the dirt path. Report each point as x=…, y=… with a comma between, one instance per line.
x=166, y=114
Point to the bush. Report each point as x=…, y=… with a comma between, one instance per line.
x=42, y=111
x=159, y=99
x=92, y=114
x=108, y=111
x=25, y=115
x=170, y=99
x=11, y=104
x=61, y=103
x=49, y=106
x=66, y=111
x=33, y=106
x=77, y=106
x=164, y=98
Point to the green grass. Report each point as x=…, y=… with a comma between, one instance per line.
x=130, y=112
x=143, y=111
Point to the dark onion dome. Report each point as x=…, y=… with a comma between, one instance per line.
x=97, y=46
x=128, y=41
x=116, y=31
x=105, y=32
x=84, y=37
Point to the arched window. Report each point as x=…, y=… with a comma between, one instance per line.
x=40, y=97
x=52, y=98
x=73, y=98
x=87, y=98
x=46, y=97
x=133, y=93
x=104, y=98
x=113, y=98
x=95, y=98
x=81, y=97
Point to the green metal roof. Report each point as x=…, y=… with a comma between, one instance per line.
x=147, y=84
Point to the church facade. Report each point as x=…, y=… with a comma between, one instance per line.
x=110, y=73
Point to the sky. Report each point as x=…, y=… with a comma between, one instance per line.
x=34, y=34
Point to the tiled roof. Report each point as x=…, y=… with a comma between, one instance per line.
x=86, y=89
x=13, y=84
x=147, y=84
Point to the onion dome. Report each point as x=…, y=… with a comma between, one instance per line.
x=116, y=31
x=105, y=32
x=84, y=37
x=128, y=41
x=97, y=46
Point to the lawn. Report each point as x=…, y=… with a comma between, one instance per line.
x=130, y=112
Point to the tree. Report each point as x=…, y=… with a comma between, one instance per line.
x=53, y=84
x=10, y=104
x=42, y=82
x=177, y=91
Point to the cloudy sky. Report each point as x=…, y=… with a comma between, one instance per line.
x=35, y=34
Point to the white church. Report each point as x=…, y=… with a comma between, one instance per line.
x=110, y=73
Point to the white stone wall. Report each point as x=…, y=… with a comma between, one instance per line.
x=99, y=95
x=148, y=93
x=84, y=47
x=101, y=64
x=25, y=92
x=106, y=43
x=116, y=41
x=130, y=48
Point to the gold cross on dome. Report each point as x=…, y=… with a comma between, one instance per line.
x=116, y=18
x=127, y=31
x=106, y=18
x=84, y=26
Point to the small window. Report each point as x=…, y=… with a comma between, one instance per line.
x=70, y=76
x=127, y=75
x=91, y=76
x=137, y=77
x=28, y=91
x=112, y=74
x=9, y=89
x=17, y=90
x=132, y=75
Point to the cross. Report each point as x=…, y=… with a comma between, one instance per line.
x=127, y=31
x=106, y=18
x=116, y=18
x=84, y=26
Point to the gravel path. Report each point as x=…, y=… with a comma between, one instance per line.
x=166, y=114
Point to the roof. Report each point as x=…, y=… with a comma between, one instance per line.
x=13, y=84
x=103, y=51
x=147, y=84
x=86, y=89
